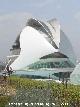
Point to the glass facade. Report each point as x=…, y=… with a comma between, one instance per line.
x=57, y=64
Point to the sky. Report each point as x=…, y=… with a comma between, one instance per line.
x=14, y=14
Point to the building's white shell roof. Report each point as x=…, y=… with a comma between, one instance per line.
x=33, y=46
x=38, y=39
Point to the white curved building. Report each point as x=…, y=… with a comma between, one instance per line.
x=75, y=75
x=42, y=45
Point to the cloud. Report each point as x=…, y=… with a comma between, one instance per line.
x=77, y=16
x=40, y=3
x=10, y=26
x=14, y=15
x=58, y=6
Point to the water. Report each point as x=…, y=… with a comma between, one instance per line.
x=36, y=74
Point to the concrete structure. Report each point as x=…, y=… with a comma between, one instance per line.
x=75, y=75
x=42, y=45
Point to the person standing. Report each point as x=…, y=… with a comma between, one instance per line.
x=9, y=70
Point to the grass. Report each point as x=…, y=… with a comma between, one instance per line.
x=58, y=92
x=4, y=100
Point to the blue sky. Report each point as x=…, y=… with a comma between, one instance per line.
x=13, y=15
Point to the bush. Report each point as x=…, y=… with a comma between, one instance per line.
x=59, y=94
x=4, y=100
